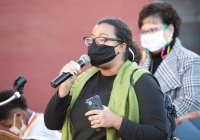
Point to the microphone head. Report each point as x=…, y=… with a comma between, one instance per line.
x=85, y=58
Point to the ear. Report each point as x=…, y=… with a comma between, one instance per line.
x=19, y=116
x=122, y=47
x=171, y=29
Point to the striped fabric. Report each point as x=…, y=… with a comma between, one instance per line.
x=179, y=77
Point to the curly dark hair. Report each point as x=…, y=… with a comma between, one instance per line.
x=165, y=12
x=17, y=103
x=123, y=32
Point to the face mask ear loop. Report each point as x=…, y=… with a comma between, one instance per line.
x=14, y=119
x=133, y=55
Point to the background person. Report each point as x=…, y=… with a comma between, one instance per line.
x=129, y=112
x=190, y=116
x=175, y=67
x=22, y=121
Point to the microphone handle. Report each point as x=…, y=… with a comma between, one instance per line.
x=58, y=80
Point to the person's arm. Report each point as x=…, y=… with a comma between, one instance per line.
x=153, y=117
x=191, y=116
x=188, y=96
x=55, y=112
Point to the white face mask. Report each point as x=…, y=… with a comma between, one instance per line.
x=17, y=131
x=153, y=42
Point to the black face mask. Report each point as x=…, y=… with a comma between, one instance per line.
x=101, y=54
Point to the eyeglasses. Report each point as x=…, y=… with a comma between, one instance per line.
x=153, y=30
x=99, y=40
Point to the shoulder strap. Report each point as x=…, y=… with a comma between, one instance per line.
x=137, y=73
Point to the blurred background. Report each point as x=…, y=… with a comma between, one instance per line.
x=37, y=38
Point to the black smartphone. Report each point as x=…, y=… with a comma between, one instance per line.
x=94, y=103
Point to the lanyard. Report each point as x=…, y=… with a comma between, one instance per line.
x=33, y=119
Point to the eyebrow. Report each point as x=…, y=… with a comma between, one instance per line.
x=152, y=28
x=100, y=34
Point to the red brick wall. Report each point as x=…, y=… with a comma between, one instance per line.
x=38, y=37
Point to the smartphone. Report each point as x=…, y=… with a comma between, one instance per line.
x=94, y=103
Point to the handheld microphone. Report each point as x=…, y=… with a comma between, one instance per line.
x=84, y=60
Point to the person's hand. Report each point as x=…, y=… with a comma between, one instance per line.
x=104, y=118
x=72, y=68
x=190, y=116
